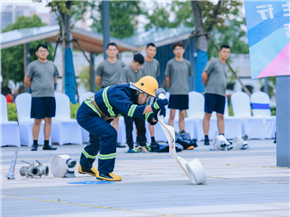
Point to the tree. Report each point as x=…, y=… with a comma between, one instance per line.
x=226, y=31
x=123, y=14
x=208, y=16
x=12, y=59
x=63, y=10
x=161, y=13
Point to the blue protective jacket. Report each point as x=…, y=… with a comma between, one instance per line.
x=120, y=100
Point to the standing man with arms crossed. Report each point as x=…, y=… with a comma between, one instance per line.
x=40, y=77
x=214, y=79
x=151, y=67
x=133, y=74
x=176, y=77
x=108, y=74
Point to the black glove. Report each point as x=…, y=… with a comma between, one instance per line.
x=159, y=104
x=163, y=112
x=149, y=118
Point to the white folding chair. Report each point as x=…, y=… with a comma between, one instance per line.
x=195, y=113
x=64, y=129
x=233, y=125
x=9, y=129
x=85, y=134
x=261, y=108
x=23, y=106
x=251, y=126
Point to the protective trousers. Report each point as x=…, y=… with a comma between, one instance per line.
x=103, y=138
x=141, y=131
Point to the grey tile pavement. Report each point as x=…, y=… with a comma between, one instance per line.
x=240, y=183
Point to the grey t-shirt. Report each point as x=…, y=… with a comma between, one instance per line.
x=151, y=68
x=42, y=78
x=178, y=73
x=129, y=75
x=217, y=77
x=110, y=72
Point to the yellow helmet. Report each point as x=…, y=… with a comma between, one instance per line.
x=147, y=84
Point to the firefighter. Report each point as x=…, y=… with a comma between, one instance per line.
x=96, y=113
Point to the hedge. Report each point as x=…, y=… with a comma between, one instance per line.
x=12, y=112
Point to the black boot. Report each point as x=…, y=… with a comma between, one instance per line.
x=47, y=146
x=34, y=146
x=206, y=140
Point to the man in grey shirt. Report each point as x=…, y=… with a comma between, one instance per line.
x=151, y=67
x=177, y=73
x=214, y=78
x=41, y=75
x=133, y=74
x=108, y=73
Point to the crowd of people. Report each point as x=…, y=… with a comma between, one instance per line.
x=127, y=91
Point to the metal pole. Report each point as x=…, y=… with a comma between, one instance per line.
x=92, y=72
x=266, y=85
x=63, y=63
x=106, y=26
x=283, y=121
x=26, y=62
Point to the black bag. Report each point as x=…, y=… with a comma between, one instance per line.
x=185, y=140
x=165, y=147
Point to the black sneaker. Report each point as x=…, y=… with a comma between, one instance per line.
x=48, y=147
x=182, y=132
x=34, y=147
x=206, y=142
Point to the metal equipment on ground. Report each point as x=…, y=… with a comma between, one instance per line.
x=63, y=166
x=10, y=174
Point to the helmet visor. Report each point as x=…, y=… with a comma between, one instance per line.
x=145, y=98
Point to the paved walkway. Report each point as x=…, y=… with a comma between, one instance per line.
x=240, y=183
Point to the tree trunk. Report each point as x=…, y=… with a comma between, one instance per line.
x=201, y=47
x=65, y=25
x=201, y=41
x=69, y=78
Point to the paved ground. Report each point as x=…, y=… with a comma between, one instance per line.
x=240, y=183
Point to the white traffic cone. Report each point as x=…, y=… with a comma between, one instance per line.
x=10, y=174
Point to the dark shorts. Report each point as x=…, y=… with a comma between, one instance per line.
x=178, y=102
x=42, y=107
x=214, y=102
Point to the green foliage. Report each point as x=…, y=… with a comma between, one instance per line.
x=229, y=34
x=122, y=16
x=231, y=111
x=226, y=28
x=12, y=112
x=84, y=77
x=160, y=16
x=73, y=110
x=227, y=10
x=12, y=59
x=273, y=111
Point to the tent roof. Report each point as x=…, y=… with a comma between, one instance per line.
x=90, y=41
x=159, y=37
x=93, y=42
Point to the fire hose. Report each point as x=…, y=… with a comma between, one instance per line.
x=193, y=169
